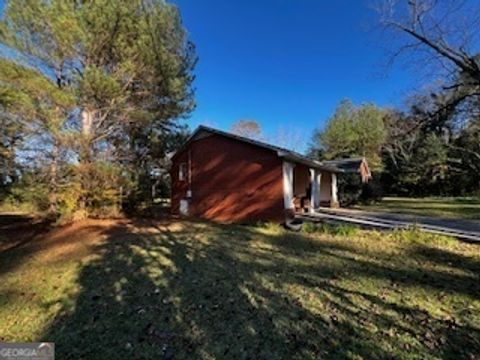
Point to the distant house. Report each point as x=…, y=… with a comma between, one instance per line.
x=225, y=177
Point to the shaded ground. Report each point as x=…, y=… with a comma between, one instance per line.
x=448, y=208
x=176, y=290
x=17, y=229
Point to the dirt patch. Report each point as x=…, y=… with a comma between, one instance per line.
x=24, y=237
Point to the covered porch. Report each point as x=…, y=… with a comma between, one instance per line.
x=308, y=187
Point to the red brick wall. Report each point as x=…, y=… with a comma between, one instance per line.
x=230, y=181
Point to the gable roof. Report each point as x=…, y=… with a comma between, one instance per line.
x=332, y=166
x=353, y=165
x=347, y=165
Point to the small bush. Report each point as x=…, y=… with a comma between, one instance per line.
x=67, y=204
x=29, y=195
x=11, y=205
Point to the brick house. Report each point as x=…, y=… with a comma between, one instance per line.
x=225, y=177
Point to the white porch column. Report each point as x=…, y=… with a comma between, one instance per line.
x=334, y=200
x=288, y=185
x=317, y=186
x=312, y=190
x=315, y=178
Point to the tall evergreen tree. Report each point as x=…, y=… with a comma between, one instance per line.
x=125, y=65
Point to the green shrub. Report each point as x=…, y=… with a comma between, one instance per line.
x=67, y=203
x=104, y=184
x=28, y=195
x=11, y=205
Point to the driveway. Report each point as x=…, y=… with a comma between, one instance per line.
x=464, y=229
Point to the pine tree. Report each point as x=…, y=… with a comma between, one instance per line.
x=122, y=65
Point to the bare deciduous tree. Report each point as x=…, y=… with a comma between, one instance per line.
x=247, y=128
x=441, y=36
x=291, y=138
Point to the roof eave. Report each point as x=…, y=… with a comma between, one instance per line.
x=311, y=163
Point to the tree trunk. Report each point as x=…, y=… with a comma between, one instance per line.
x=86, y=157
x=53, y=188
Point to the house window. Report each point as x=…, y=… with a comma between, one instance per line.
x=182, y=172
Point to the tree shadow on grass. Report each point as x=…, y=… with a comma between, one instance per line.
x=448, y=258
x=18, y=239
x=202, y=291
x=18, y=230
x=24, y=238
x=444, y=337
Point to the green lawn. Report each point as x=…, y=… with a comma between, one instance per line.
x=178, y=290
x=452, y=208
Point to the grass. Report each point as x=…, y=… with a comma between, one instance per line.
x=450, y=207
x=343, y=229
x=193, y=290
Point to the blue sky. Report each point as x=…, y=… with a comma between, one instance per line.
x=286, y=63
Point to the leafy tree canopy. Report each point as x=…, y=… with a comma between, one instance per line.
x=352, y=131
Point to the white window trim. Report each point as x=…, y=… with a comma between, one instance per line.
x=182, y=171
